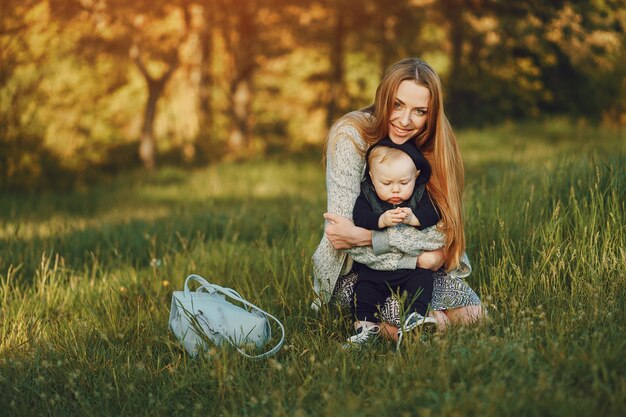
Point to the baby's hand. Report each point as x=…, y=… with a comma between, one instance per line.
x=410, y=217
x=391, y=217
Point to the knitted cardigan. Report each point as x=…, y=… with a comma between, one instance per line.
x=393, y=248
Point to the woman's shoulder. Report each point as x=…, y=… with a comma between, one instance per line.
x=350, y=126
x=357, y=120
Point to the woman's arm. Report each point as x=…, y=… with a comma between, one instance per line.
x=427, y=244
x=344, y=235
x=412, y=241
x=409, y=239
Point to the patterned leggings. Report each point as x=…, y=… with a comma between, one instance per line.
x=448, y=293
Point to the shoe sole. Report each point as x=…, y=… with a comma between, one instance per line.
x=355, y=345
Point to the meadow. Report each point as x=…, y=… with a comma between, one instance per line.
x=86, y=280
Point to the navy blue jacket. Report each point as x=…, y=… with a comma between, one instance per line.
x=368, y=207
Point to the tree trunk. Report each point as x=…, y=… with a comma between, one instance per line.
x=147, y=145
x=456, y=35
x=337, y=91
x=241, y=43
x=241, y=103
x=205, y=103
x=386, y=33
x=452, y=12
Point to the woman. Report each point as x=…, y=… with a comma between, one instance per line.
x=408, y=106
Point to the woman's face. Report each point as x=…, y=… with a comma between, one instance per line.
x=408, y=114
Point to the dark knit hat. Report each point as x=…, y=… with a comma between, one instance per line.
x=410, y=149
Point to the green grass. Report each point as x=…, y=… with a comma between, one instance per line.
x=86, y=281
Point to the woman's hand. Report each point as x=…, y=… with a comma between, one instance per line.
x=343, y=234
x=432, y=259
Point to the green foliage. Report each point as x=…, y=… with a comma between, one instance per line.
x=86, y=280
x=527, y=58
x=80, y=80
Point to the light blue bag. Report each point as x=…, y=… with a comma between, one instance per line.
x=206, y=314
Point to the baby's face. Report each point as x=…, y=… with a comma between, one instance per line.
x=394, y=181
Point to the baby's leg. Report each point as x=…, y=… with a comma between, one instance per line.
x=370, y=292
x=370, y=295
x=419, y=289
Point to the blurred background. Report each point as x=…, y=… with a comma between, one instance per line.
x=90, y=88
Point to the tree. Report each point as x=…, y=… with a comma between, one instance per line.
x=145, y=47
x=524, y=58
x=239, y=30
x=328, y=24
x=148, y=34
x=206, y=80
x=25, y=162
x=380, y=32
x=251, y=32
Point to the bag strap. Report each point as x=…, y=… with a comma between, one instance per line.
x=210, y=288
x=193, y=277
x=204, y=284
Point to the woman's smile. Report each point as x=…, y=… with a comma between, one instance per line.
x=402, y=133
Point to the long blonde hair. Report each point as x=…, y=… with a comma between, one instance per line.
x=436, y=140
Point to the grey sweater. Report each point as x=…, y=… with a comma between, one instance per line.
x=393, y=248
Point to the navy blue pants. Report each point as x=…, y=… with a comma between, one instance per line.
x=373, y=287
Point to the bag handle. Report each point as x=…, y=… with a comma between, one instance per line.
x=204, y=284
x=193, y=277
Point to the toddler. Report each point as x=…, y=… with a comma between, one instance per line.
x=393, y=192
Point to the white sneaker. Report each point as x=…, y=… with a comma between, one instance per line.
x=363, y=335
x=413, y=321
